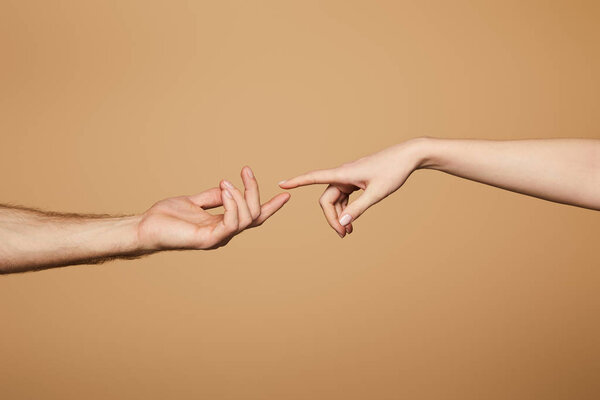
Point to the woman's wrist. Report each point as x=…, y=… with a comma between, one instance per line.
x=423, y=151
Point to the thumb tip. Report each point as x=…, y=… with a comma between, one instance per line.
x=345, y=219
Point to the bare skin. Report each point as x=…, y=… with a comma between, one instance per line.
x=561, y=170
x=34, y=240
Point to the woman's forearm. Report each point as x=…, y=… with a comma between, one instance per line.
x=561, y=170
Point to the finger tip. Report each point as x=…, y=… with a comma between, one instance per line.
x=223, y=186
x=247, y=171
x=285, y=196
x=227, y=194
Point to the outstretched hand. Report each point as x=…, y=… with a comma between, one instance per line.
x=183, y=222
x=378, y=175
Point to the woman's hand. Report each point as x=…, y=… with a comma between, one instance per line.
x=561, y=170
x=183, y=222
x=378, y=175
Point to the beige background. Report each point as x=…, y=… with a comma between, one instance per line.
x=447, y=290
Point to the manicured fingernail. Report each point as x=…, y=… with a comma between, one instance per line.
x=249, y=173
x=228, y=184
x=228, y=194
x=345, y=220
x=281, y=182
x=342, y=236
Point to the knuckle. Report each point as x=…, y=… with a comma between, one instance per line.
x=245, y=222
x=322, y=201
x=232, y=228
x=207, y=245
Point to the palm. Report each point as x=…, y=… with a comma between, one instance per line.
x=183, y=222
x=180, y=223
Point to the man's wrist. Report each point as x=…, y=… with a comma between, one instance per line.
x=127, y=230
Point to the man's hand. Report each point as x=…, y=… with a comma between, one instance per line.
x=183, y=222
x=32, y=239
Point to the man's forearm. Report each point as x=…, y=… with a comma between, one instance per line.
x=561, y=170
x=33, y=239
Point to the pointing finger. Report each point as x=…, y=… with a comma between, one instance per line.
x=311, y=178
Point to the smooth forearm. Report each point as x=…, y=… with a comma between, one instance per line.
x=561, y=170
x=35, y=240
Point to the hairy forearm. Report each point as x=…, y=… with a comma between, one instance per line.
x=561, y=170
x=32, y=239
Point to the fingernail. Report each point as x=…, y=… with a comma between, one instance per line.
x=228, y=184
x=281, y=182
x=342, y=236
x=345, y=220
x=249, y=172
x=228, y=194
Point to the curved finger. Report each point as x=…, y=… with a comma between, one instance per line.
x=251, y=192
x=229, y=225
x=359, y=206
x=311, y=178
x=328, y=202
x=344, y=204
x=271, y=207
x=244, y=217
x=338, y=209
x=210, y=198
